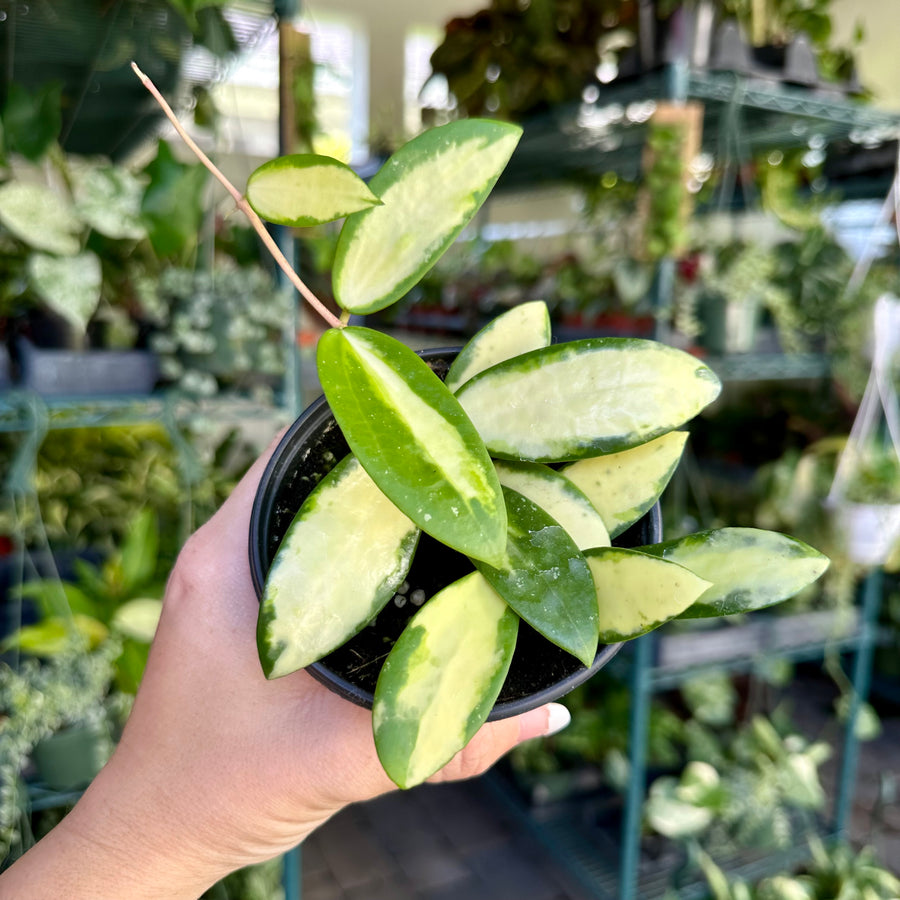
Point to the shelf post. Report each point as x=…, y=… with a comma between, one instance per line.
x=291, y=877
x=862, y=677
x=638, y=728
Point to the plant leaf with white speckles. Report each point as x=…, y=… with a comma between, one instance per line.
x=749, y=568
x=623, y=486
x=584, y=398
x=545, y=579
x=558, y=497
x=524, y=327
x=637, y=592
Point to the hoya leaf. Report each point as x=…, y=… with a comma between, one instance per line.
x=749, y=568
x=413, y=438
x=637, y=592
x=40, y=218
x=430, y=189
x=584, y=398
x=524, y=327
x=623, y=486
x=545, y=579
x=69, y=285
x=339, y=563
x=558, y=497
x=307, y=189
x=441, y=679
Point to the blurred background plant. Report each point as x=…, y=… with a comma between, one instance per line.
x=90, y=483
x=120, y=596
x=223, y=329
x=38, y=700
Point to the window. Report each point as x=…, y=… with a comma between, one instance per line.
x=420, y=90
x=247, y=92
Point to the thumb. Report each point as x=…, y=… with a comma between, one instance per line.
x=495, y=739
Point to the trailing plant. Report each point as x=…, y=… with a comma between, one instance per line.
x=464, y=461
x=665, y=225
x=220, y=330
x=39, y=699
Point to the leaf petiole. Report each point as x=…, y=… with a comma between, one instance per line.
x=242, y=205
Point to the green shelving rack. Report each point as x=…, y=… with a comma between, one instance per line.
x=743, y=116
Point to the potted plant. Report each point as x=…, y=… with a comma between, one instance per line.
x=867, y=514
x=453, y=472
x=81, y=239
x=61, y=716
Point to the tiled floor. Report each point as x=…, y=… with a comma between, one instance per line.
x=437, y=842
x=456, y=842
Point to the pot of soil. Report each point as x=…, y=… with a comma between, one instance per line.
x=540, y=671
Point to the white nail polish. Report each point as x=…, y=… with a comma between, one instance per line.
x=557, y=719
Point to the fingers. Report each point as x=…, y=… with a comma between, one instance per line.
x=496, y=739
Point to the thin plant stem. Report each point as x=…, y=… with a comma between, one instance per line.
x=242, y=205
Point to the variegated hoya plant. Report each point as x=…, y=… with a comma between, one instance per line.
x=528, y=459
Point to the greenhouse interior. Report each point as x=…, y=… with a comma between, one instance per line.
x=607, y=289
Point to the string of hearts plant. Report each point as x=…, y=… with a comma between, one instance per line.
x=527, y=459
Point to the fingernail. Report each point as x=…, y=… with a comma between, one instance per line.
x=557, y=718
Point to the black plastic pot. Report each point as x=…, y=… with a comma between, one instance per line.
x=540, y=671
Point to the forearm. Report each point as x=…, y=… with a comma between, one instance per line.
x=109, y=847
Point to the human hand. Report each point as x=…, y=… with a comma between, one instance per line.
x=219, y=768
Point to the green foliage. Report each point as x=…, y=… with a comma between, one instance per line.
x=513, y=59
x=171, y=205
x=91, y=483
x=598, y=735
x=81, y=236
x=835, y=871
x=762, y=783
x=874, y=475
x=121, y=596
x=37, y=700
x=664, y=181
x=31, y=123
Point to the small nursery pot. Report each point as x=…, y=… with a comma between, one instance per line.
x=540, y=671
x=70, y=759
